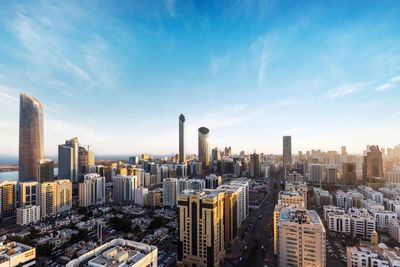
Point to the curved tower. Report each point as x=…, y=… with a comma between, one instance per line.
x=181, y=138
x=30, y=137
x=204, y=153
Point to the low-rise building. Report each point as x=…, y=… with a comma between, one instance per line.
x=28, y=214
x=17, y=254
x=119, y=252
x=339, y=222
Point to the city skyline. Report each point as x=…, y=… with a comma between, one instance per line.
x=251, y=90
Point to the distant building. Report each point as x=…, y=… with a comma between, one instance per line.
x=124, y=188
x=254, y=165
x=198, y=211
x=373, y=163
x=31, y=140
x=118, y=252
x=315, y=172
x=287, y=152
x=92, y=190
x=204, y=153
x=55, y=197
x=349, y=175
x=339, y=222
x=169, y=192
x=213, y=181
x=181, y=138
x=68, y=159
x=141, y=195
x=331, y=175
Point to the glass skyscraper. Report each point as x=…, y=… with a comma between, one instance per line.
x=30, y=137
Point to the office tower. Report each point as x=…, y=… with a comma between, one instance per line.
x=254, y=165
x=373, y=163
x=29, y=194
x=85, y=159
x=215, y=160
x=201, y=228
x=63, y=195
x=215, y=154
x=92, y=190
x=134, y=160
x=204, y=153
x=331, y=175
x=46, y=170
x=8, y=198
x=30, y=137
x=169, y=192
x=287, y=152
x=48, y=203
x=301, y=238
x=28, y=214
x=124, y=188
x=213, y=181
x=181, y=138
x=180, y=171
x=349, y=175
x=68, y=158
x=315, y=172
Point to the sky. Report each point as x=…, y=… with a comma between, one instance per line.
x=118, y=75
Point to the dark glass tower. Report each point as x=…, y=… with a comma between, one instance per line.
x=181, y=138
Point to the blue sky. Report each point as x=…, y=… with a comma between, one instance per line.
x=118, y=75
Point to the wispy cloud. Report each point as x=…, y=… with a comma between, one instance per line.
x=392, y=83
x=394, y=116
x=170, y=5
x=345, y=90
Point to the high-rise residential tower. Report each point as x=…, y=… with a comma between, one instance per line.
x=349, y=175
x=301, y=238
x=181, y=138
x=254, y=165
x=30, y=137
x=287, y=151
x=201, y=228
x=204, y=153
x=68, y=154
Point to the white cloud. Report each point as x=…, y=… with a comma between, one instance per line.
x=170, y=5
x=394, y=116
x=393, y=82
x=345, y=90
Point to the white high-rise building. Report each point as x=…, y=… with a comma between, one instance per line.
x=140, y=195
x=339, y=222
x=124, y=188
x=170, y=192
x=196, y=184
x=92, y=190
x=301, y=238
x=244, y=184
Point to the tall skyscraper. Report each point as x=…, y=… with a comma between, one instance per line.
x=301, y=238
x=204, y=153
x=254, y=165
x=287, y=151
x=201, y=228
x=68, y=154
x=30, y=137
x=85, y=159
x=373, y=163
x=181, y=138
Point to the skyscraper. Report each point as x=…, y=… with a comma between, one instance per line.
x=30, y=137
x=169, y=191
x=201, y=228
x=373, y=163
x=287, y=151
x=68, y=154
x=204, y=153
x=181, y=138
x=8, y=198
x=254, y=165
x=349, y=175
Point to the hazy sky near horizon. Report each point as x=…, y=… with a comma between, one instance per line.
x=118, y=76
